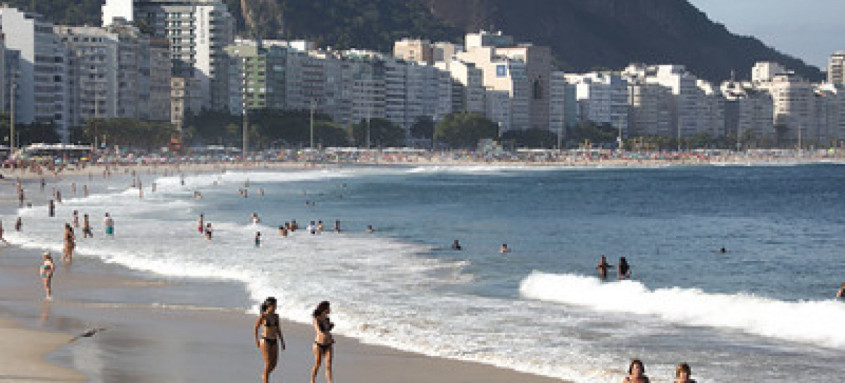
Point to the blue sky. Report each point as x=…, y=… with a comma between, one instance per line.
x=808, y=29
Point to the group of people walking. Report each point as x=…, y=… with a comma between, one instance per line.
x=271, y=338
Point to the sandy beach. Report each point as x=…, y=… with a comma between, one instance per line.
x=156, y=331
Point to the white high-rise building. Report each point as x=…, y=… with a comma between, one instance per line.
x=830, y=116
x=749, y=113
x=367, y=78
x=413, y=91
x=766, y=71
x=40, y=80
x=522, y=70
x=198, y=32
x=651, y=109
x=92, y=73
x=687, y=98
x=115, y=72
x=470, y=90
x=557, y=103
x=602, y=98
x=836, y=69
x=711, y=110
x=794, y=111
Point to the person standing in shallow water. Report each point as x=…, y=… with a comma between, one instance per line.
x=70, y=244
x=624, y=269
x=323, y=340
x=841, y=293
x=108, y=222
x=270, y=338
x=86, y=227
x=602, y=267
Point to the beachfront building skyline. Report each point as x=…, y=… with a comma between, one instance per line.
x=510, y=83
x=40, y=74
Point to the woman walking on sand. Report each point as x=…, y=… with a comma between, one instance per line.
x=271, y=336
x=323, y=341
x=46, y=272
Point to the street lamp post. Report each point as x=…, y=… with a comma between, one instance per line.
x=560, y=137
x=433, y=133
x=369, y=112
x=12, y=117
x=245, y=138
x=680, y=122
x=312, y=123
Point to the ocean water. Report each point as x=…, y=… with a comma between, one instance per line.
x=762, y=311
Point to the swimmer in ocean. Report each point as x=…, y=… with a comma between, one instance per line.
x=602, y=267
x=504, y=249
x=456, y=245
x=841, y=293
x=370, y=229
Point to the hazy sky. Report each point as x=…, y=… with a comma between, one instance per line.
x=808, y=29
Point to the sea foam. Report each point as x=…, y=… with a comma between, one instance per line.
x=813, y=322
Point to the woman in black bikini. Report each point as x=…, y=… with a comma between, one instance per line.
x=323, y=341
x=271, y=335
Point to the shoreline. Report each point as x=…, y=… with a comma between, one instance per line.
x=441, y=159
x=159, y=324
